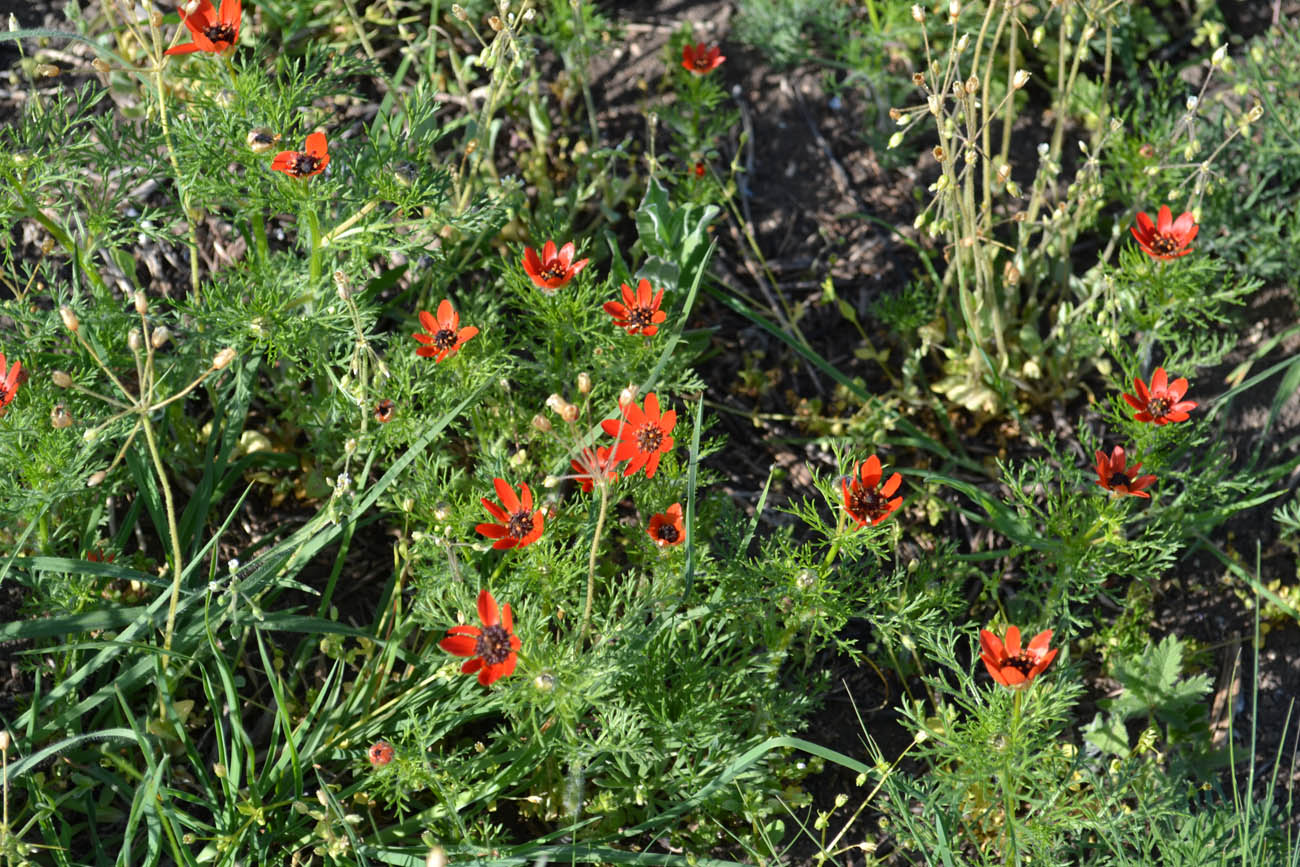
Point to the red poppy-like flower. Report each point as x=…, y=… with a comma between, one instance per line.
x=1166, y=238
x=304, y=164
x=1009, y=663
x=1163, y=401
x=864, y=499
x=519, y=524
x=98, y=556
x=212, y=31
x=493, y=647
x=639, y=313
x=380, y=753
x=445, y=335
x=666, y=528
x=699, y=170
x=642, y=436
x=588, y=466
x=1116, y=477
x=554, y=268
x=9, y=382
x=384, y=410
x=700, y=59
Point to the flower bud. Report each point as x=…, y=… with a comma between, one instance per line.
x=141, y=302
x=1255, y=113
x=4, y=740
x=555, y=403
x=895, y=113
x=550, y=482
x=156, y=19
x=260, y=140
x=584, y=383
x=934, y=104
x=219, y=770
x=918, y=13
x=437, y=857
x=69, y=318
x=495, y=23
x=1192, y=102
x=1004, y=172
x=542, y=423
x=45, y=70
x=1216, y=60
x=160, y=336
x=1020, y=79
x=954, y=10
x=1037, y=36
x=442, y=511
x=61, y=379
x=569, y=413
x=972, y=84
x=963, y=42
x=96, y=479
x=459, y=12
x=223, y=358
x=627, y=395
x=134, y=340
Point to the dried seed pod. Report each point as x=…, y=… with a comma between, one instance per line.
x=260, y=140
x=223, y=358
x=69, y=318
x=60, y=417
x=160, y=336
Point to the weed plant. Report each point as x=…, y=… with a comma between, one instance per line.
x=365, y=506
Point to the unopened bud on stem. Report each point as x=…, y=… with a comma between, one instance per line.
x=69, y=318
x=584, y=383
x=61, y=379
x=224, y=357
x=134, y=340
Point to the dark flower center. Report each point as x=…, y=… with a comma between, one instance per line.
x=1119, y=480
x=520, y=524
x=701, y=60
x=4, y=393
x=493, y=645
x=1158, y=406
x=1022, y=662
x=220, y=33
x=649, y=438
x=303, y=164
x=554, y=270
x=867, y=502
x=444, y=338
x=668, y=533
x=384, y=410
x=1165, y=244
x=640, y=316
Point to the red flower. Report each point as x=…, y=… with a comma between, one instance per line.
x=639, y=313
x=1114, y=476
x=212, y=32
x=1167, y=237
x=380, y=753
x=1163, y=401
x=699, y=170
x=588, y=467
x=1009, y=663
x=304, y=164
x=864, y=500
x=445, y=335
x=98, y=556
x=553, y=269
x=666, y=528
x=520, y=525
x=493, y=647
x=8, y=382
x=642, y=436
x=384, y=411
x=699, y=59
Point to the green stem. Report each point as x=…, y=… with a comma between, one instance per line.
x=591, y=561
x=313, y=229
x=259, y=237
x=1008, y=783
x=172, y=530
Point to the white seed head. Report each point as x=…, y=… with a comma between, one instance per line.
x=918, y=13
x=1020, y=79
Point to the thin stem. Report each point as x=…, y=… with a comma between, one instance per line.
x=591, y=561
x=171, y=529
x=313, y=228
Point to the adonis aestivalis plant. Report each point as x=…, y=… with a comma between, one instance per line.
x=214, y=32
x=492, y=648
x=644, y=436
x=304, y=163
